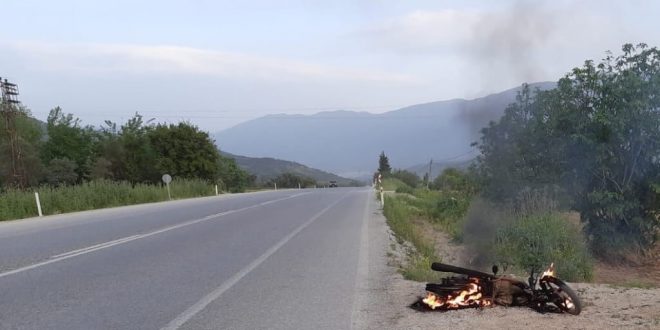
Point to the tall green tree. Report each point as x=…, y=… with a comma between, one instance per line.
x=520, y=151
x=67, y=139
x=184, y=151
x=108, y=162
x=232, y=177
x=614, y=109
x=61, y=171
x=30, y=136
x=138, y=160
x=384, y=164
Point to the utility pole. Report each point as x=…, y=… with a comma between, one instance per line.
x=9, y=112
x=428, y=181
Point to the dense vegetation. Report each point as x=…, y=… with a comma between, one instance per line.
x=564, y=174
x=65, y=152
x=530, y=236
x=89, y=166
x=531, y=241
x=594, y=142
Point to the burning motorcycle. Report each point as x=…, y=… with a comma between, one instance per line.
x=543, y=291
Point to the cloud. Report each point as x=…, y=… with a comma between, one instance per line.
x=423, y=31
x=141, y=59
x=523, y=23
x=523, y=41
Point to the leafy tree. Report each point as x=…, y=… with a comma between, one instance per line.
x=108, y=153
x=29, y=141
x=61, y=171
x=137, y=158
x=614, y=113
x=518, y=152
x=182, y=150
x=232, y=177
x=101, y=168
x=384, y=164
x=68, y=140
x=597, y=135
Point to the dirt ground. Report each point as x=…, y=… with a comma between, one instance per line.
x=604, y=306
x=643, y=275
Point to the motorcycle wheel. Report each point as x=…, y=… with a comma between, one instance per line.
x=563, y=296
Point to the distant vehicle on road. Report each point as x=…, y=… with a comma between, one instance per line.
x=333, y=184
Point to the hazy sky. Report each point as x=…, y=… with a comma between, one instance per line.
x=217, y=63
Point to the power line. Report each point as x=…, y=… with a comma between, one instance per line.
x=457, y=156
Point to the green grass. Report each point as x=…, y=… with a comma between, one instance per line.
x=536, y=240
x=445, y=210
x=449, y=211
x=418, y=268
x=16, y=204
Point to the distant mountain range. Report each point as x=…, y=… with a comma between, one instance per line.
x=348, y=143
x=268, y=168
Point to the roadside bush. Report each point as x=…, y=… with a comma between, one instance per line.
x=454, y=179
x=407, y=177
x=405, y=190
x=392, y=184
x=534, y=241
x=445, y=209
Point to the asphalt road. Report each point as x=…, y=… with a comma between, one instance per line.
x=288, y=259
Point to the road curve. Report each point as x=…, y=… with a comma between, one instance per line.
x=288, y=259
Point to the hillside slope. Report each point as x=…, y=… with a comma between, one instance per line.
x=267, y=168
x=348, y=143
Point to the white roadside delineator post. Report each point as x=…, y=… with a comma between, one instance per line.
x=36, y=196
x=216, y=190
x=382, y=197
x=382, y=194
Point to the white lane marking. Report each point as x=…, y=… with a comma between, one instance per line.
x=95, y=247
x=215, y=294
x=105, y=245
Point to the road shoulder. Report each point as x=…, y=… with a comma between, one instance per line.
x=388, y=296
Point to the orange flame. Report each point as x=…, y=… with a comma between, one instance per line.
x=432, y=300
x=550, y=271
x=470, y=296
